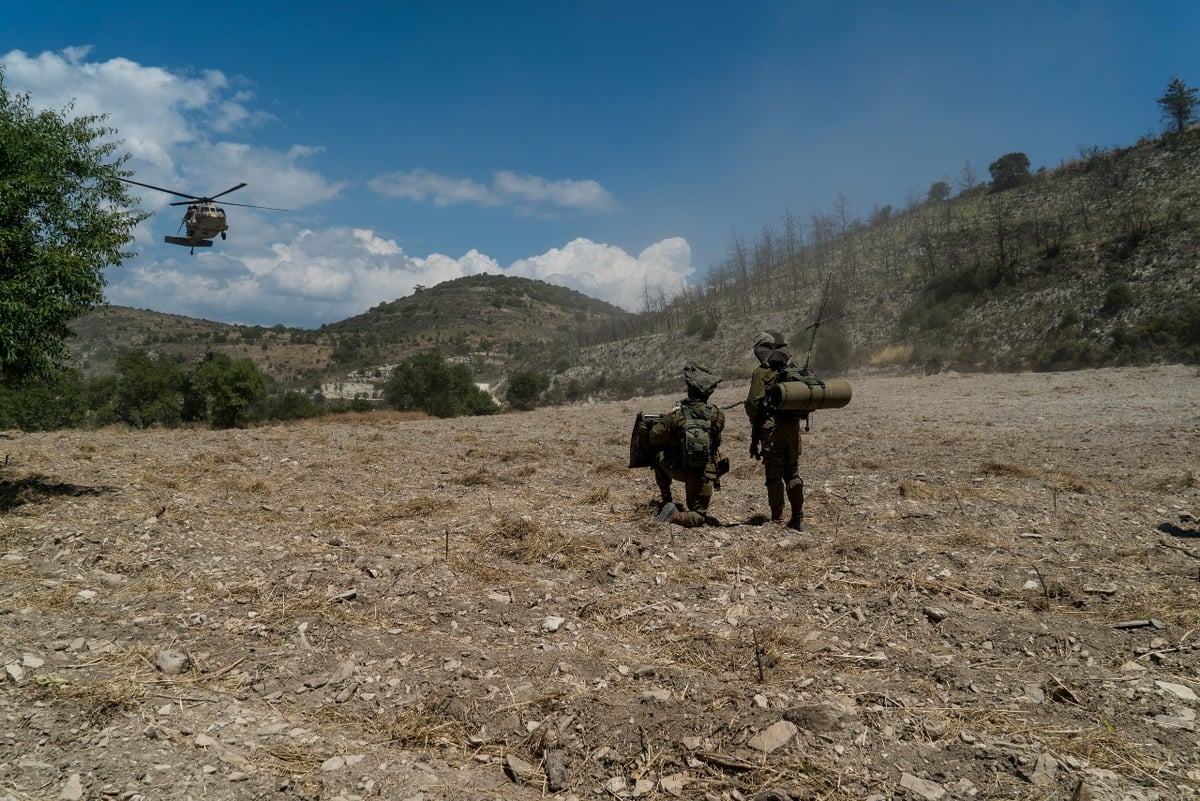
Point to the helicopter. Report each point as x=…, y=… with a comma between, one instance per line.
x=204, y=219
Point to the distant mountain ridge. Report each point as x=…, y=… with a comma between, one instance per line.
x=493, y=322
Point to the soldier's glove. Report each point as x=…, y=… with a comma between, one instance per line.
x=754, y=451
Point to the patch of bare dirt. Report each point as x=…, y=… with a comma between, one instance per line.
x=998, y=597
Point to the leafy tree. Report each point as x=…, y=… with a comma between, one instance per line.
x=148, y=391
x=292, y=405
x=43, y=403
x=228, y=392
x=1178, y=104
x=63, y=218
x=939, y=192
x=427, y=383
x=525, y=388
x=1011, y=169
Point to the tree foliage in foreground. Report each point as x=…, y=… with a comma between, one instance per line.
x=426, y=382
x=64, y=217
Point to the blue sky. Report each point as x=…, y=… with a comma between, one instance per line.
x=606, y=146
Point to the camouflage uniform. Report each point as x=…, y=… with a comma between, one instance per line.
x=779, y=434
x=699, y=483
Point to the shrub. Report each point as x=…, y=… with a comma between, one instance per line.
x=702, y=325
x=148, y=391
x=427, y=383
x=1119, y=296
x=228, y=392
x=525, y=388
x=43, y=403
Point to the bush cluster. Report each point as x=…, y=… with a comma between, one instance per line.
x=426, y=382
x=144, y=391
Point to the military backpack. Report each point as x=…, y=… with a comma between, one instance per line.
x=784, y=375
x=696, y=440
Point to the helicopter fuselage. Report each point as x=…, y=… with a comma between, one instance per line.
x=204, y=221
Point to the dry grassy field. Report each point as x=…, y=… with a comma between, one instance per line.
x=998, y=597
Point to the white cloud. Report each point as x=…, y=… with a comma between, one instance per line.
x=319, y=277
x=529, y=193
x=190, y=133
x=583, y=195
x=609, y=273
x=421, y=185
x=176, y=128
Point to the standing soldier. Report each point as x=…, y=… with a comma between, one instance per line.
x=690, y=436
x=777, y=430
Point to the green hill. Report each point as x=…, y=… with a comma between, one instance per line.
x=496, y=323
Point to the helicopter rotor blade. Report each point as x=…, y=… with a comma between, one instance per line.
x=168, y=191
x=226, y=192
x=252, y=206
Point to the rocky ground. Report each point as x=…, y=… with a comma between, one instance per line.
x=998, y=597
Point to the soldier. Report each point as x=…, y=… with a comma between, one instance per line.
x=778, y=431
x=690, y=436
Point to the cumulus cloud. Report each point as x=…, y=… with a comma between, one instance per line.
x=529, y=193
x=318, y=277
x=193, y=132
x=609, y=273
x=176, y=128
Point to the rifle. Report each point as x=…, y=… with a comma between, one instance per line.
x=756, y=427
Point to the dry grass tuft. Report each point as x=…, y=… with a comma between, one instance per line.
x=1062, y=481
x=479, y=477
x=523, y=540
x=969, y=537
x=1007, y=470
x=415, y=507
x=99, y=702
x=711, y=653
x=593, y=496
x=216, y=458
x=418, y=726
x=609, y=469
x=1186, y=481
x=919, y=490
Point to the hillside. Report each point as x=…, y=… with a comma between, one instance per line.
x=1095, y=262
x=496, y=323
x=1090, y=263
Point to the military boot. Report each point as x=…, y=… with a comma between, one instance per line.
x=777, y=514
x=795, y=494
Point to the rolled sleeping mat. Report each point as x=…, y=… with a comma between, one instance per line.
x=806, y=396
